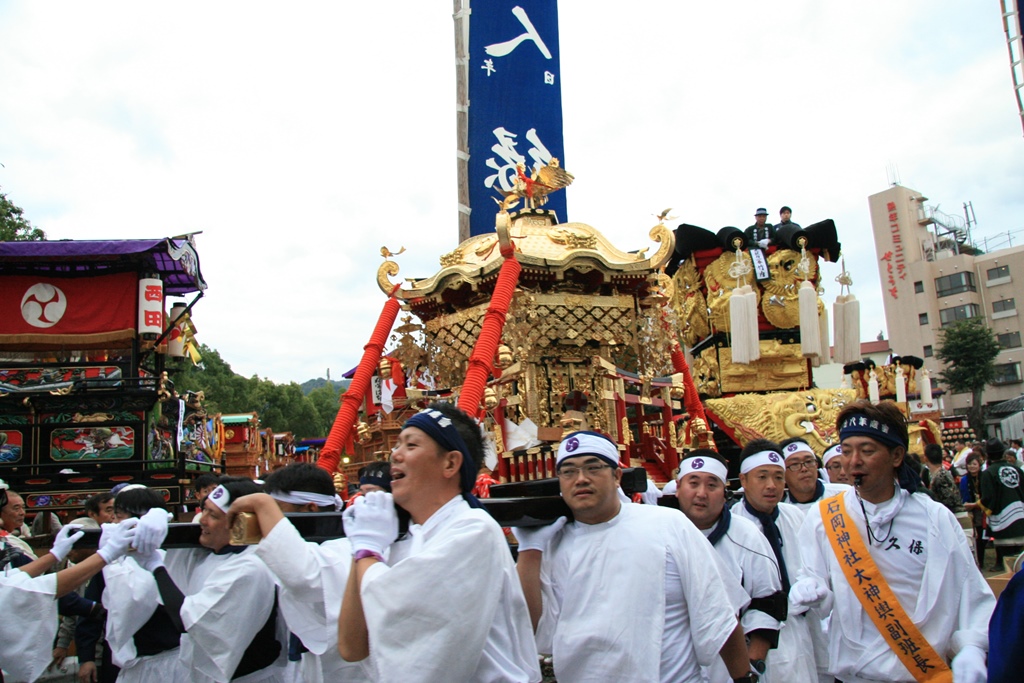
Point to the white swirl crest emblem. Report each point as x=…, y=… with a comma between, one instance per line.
x=1009, y=476
x=43, y=305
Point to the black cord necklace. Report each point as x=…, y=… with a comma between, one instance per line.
x=867, y=522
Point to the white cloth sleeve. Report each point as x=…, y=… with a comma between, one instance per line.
x=225, y=615
x=429, y=615
x=703, y=586
x=761, y=579
x=312, y=580
x=976, y=600
x=131, y=597
x=30, y=613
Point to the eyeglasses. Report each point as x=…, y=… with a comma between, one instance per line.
x=805, y=464
x=833, y=466
x=570, y=473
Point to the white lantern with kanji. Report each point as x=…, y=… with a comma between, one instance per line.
x=151, y=306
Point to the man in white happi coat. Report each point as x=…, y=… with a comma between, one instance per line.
x=28, y=598
x=141, y=635
x=446, y=604
x=803, y=490
x=625, y=592
x=226, y=610
x=927, y=572
x=702, y=482
x=834, y=472
x=803, y=487
x=763, y=476
x=311, y=576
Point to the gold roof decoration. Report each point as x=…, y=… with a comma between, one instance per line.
x=539, y=244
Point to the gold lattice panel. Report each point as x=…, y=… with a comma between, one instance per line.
x=574, y=320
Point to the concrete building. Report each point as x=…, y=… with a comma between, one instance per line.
x=932, y=277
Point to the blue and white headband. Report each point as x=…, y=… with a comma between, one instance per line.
x=862, y=425
x=761, y=459
x=588, y=443
x=831, y=453
x=221, y=498
x=441, y=429
x=700, y=464
x=305, y=497
x=796, y=448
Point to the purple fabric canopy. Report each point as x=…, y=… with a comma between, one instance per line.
x=175, y=259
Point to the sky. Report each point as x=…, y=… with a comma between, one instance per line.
x=300, y=138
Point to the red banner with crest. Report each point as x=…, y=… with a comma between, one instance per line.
x=80, y=312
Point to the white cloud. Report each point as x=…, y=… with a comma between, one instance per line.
x=300, y=139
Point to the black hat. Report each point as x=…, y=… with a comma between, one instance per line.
x=995, y=448
x=785, y=208
x=761, y=212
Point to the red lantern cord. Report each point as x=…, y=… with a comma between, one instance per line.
x=481, y=360
x=330, y=455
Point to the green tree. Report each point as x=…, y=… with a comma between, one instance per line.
x=325, y=400
x=968, y=350
x=13, y=225
x=224, y=389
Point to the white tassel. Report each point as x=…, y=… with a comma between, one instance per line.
x=925, y=383
x=901, y=385
x=743, y=324
x=873, y=387
x=851, y=330
x=826, y=350
x=839, y=328
x=810, y=337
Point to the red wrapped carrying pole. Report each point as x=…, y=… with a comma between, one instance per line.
x=691, y=400
x=330, y=455
x=481, y=360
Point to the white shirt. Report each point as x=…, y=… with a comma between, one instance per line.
x=228, y=599
x=927, y=563
x=28, y=625
x=450, y=606
x=312, y=582
x=794, y=660
x=746, y=552
x=607, y=620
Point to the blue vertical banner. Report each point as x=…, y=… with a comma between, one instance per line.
x=515, y=101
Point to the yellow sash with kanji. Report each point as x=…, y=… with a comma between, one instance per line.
x=877, y=599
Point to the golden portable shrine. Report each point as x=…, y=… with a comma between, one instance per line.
x=542, y=328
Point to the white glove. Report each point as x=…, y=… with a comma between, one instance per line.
x=538, y=538
x=763, y=243
x=805, y=594
x=151, y=532
x=969, y=665
x=64, y=541
x=371, y=523
x=150, y=561
x=116, y=538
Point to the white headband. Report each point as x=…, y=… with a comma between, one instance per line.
x=221, y=498
x=796, y=448
x=699, y=464
x=304, y=497
x=588, y=443
x=833, y=452
x=760, y=459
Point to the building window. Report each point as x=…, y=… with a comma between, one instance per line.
x=999, y=272
x=957, y=283
x=928, y=353
x=922, y=318
x=1010, y=340
x=1003, y=305
x=948, y=316
x=918, y=287
x=1007, y=373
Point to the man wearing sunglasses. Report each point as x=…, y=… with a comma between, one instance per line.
x=589, y=583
